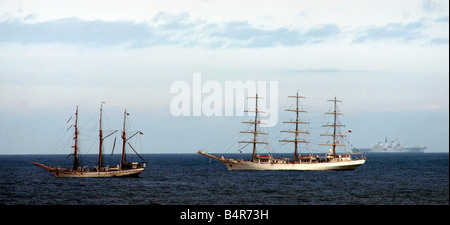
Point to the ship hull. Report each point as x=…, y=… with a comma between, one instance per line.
x=338, y=165
x=391, y=150
x=118, y=173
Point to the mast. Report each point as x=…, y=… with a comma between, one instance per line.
x=255, y=130
x=255, y=135
x=124, y=140
x=75, y=146
x=297, y=122
x=100, y=139
x=334, y=125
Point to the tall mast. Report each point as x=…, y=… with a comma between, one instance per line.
x=255, y=135
x=100, y=139
x=297, y=122
x=124, y=139
x=75, y=146
x=334, y=125
x=255, y=131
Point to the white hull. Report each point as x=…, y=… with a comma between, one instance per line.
x=117, y=173
x=337, y=165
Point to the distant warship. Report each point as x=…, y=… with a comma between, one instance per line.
x=394, y=146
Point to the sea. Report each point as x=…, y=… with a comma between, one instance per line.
x=193, y=179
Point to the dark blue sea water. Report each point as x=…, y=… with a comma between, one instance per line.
x=178, y=179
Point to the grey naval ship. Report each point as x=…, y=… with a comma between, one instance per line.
x=392, y=147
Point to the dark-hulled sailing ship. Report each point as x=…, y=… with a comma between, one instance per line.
x=124, y=169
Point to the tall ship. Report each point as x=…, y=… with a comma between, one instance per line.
x=124, y=169
x=394, y=146
x=330, y=161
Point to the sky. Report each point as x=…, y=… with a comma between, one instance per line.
x=388, y=61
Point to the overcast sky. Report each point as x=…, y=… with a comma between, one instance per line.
x=387, y=61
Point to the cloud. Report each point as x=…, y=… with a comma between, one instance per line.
x=406, y=32
x=182, y=30
x=252, y=37
x=431, y=6
x=243, y=34
x=325, y=70
x=439, y=41
x=164, y=29
x=443, y=19
x=322, y=33
x=72, y=30
x=391, y=31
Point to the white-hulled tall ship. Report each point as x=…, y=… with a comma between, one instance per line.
x=125, y=169
x=331, y=161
